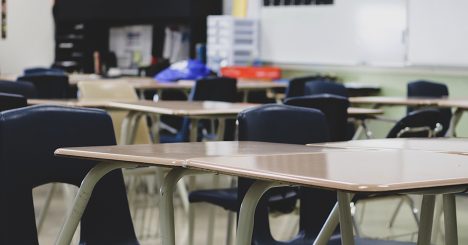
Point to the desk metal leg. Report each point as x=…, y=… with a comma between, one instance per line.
x=193, y=130
x=82, y=198
x=454, y=122
x=450, y=219
x=346, y=222
x=330, y=225
x=166, y=207
x=427, y=216
x=247, y=210
x=127, y=131
x=221, y=129
x=359, y=130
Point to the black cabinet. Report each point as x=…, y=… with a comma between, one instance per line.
x=82, y=26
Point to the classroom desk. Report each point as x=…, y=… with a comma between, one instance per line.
x=459, y=106
x=197, y=110
x=162, y=155
x=387, y=171
x=194, y=110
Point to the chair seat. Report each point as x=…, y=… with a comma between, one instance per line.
x=227, y=199
x=172, y=138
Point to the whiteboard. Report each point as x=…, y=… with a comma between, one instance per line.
x=438, y=32
x=349, y=32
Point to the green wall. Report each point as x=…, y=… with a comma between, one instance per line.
x=393, y=83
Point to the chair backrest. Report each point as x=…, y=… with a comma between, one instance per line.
x=49, y=86
x=430, y=89
x=12, y=101
x=115, y=90
x=28, y=138
x=324, y=87
x=334, y=107
x=25, y=89
x=285, y=124
x=215, y=89
x=420, y=123
x=296, y=86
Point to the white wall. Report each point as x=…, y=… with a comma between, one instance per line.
x=30, y=36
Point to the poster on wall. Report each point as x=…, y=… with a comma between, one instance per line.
x=3, y=19
x=132, y=45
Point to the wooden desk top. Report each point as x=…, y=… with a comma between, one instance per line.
x=442, y=145
x=356, y=112
x=455, y=103
x=69, y=102
x=403, y=101
x=183, y=108
x=148, y=83
x=175, y=154
x=356, y=171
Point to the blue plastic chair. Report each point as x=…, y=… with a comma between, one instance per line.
x=334, y=107
x=296, y=86
x=28, y=138
x=25, y=89
x=12, y=101
x=325, y=87
x=270, y=123
x=212, y=89
x=421, y=123
x=49, y=86
x=430, y=89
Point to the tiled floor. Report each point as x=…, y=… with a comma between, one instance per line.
x=374, y=222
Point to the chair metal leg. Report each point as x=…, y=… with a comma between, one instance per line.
x=346, y=225
x=247, y=211
x=450, y=219
x=395, y=213
x=82, y=198
x=427, y=215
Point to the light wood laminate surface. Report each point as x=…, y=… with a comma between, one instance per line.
x=69, y=102
x=355, y=171
x=396, y=101
x=443, y=145
x=365, y=112
x=175, y=154
x=183, y=108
